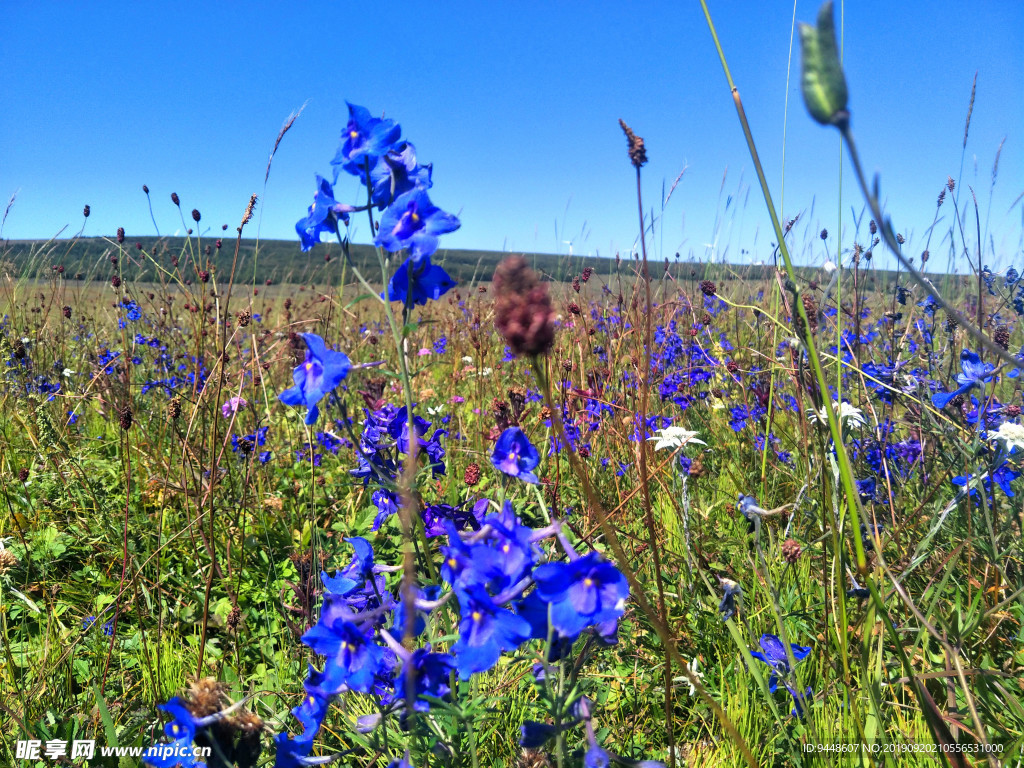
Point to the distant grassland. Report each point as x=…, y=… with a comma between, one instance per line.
x=282, y=262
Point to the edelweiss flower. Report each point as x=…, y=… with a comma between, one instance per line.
x=1011, y=434
x=674, y=437
x=847, y=413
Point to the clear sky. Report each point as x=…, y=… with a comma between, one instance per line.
x=516, y=104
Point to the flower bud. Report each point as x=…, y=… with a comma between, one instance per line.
x=822, y=80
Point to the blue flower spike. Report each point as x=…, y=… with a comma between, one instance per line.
x=316, y=376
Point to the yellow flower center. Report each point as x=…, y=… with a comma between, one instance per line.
x=354, y=134
x=309, y=365
x=477, y=616
x=588, y=582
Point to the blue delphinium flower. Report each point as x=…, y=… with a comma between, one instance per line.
x=322, y=371
x=431, y=672
x=398, y=172
x=485, y=630
x=352, y=657
x=975, y=374
x=773, y=653
x=582, y=593
x=323, y=215
x=364, y=139
x=417, y=282
x=413, y=222
x=515, y=456
x=182, y=732
x=1002, y=476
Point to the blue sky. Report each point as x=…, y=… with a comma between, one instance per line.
x=516, y=104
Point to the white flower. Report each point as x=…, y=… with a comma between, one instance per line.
x=1011, y=434
x=829, y=267
x=68, y=373
x=674, y=437
x=467, y=360
x=852, y=416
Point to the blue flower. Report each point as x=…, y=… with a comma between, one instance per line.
x=352, y=658
x=397, y=172
x=182, y=732
x=323, y=215
x=413, y=222
x=515, y=456
x=432, y=674
x=364, y=140
x=321, y=372
x=418, y=281
x=773, y=653
x=975, y=374
x=485, y=630
x=582, y=593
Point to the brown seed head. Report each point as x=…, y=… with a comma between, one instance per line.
x=196, y=215
x=175, y=199
x=1002, y=337
x=125, y=418
x=86, y=211
x=707, y=287
x=637, y=151
x=120, y=234
x=472, y=474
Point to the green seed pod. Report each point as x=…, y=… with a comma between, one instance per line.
x=822, y=80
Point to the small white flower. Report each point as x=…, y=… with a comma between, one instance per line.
x=1011, y=434
x=486, y=372
x=674, y=437
x=852, y=416
x=829, y=267
x=467, y=360
x=68, y=373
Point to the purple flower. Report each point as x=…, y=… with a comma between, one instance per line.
x=322, y=371
x=412, y=222
x=234, y=405
x=582, y=593
x=514, y=455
